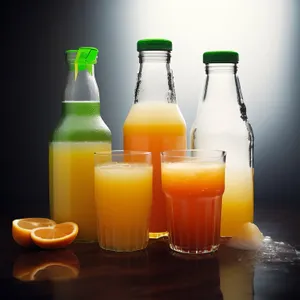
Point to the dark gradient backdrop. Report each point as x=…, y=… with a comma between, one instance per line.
x=36, y=34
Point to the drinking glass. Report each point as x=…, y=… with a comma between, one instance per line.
x=123, y=196
x=193, y=182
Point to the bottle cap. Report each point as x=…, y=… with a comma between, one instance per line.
x=87, y=55
x=154, y=45
x=82, y=59
x=219, y=57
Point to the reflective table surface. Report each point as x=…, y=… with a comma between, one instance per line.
x=84, y=271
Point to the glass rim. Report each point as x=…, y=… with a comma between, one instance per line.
x=215, y=153
x=121, y=152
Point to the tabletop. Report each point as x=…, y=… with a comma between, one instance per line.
x=84, y=271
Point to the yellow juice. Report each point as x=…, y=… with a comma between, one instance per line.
x=123, y=196
x=72, y=184
x=237, y=204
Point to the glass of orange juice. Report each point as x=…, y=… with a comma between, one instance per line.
x=123, y=197
x=193, y=182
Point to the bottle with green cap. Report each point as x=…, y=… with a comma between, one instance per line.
x=154, y=122
x=81, y=132
x=222, y=123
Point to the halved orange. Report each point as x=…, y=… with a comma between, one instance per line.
x=57, y=236
x=21, y=229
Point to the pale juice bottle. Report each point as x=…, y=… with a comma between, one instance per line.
x=80, y=132
x=222, y=124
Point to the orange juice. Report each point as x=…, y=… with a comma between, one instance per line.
x=155, y=126
x=72, y=185
x=123, y=194
x=194, y=200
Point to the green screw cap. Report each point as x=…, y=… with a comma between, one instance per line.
x=211, y=57
x=82, y=59
x=154, y=45
x=87, y=55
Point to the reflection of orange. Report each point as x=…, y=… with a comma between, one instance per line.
x=21, y=229
x=57, y=236
x=45, y=265
x=54, y=271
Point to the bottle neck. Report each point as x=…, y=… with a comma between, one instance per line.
x=220, y=81
x=155, y=78
x=81, y=83
x=222, y=87
x=221, y=69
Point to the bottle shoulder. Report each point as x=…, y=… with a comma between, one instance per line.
x=221, y=116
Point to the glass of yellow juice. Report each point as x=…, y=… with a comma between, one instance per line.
x=123, y=197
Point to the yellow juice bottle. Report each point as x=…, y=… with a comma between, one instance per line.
x=80, y=133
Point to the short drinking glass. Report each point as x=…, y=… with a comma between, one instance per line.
x=193, y=182
x=123, y=196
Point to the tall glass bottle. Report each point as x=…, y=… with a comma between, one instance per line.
x=222, y=123
x=155, y=122
x=80, y=132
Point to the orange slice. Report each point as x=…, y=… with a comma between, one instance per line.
x=57, y=236
x=46, y=265
x=21, y=229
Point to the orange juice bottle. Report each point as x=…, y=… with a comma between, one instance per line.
x=155, y=122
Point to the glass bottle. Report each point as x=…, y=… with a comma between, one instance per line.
x=154, y=122
x=222, y=123
x=81, y=132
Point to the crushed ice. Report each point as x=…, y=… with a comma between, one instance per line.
x=277, y=252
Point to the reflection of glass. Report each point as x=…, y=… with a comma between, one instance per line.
x=236, y=273
x=46, y=265
x=193, y=181
x=183, y=276
x=123, y=195
x=127, y=262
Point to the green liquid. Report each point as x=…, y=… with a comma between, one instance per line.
x=81, y=121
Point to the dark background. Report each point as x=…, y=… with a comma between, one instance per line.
x=36, y=34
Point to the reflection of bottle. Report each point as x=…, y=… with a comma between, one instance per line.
x=46, y=265
x=222, y=124
x=80, y=133
x=155, y=122
x=236, y=273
